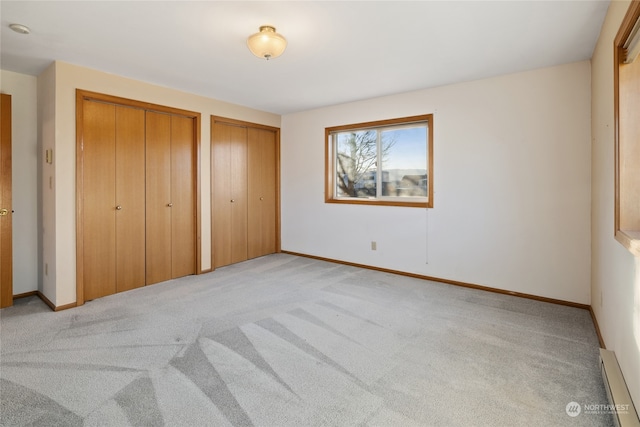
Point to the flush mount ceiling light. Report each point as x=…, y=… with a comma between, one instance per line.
x=267, y=43
x=19, y=28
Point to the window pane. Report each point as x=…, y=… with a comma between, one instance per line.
x=356, y=154
x=386, y=162
x=404, y=162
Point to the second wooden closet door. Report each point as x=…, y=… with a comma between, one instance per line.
x=170, y=218
x=244, y=187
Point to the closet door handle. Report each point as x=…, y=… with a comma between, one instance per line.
x=232, y=200
x=169, y=205
x=118, y=208
x=261, y=198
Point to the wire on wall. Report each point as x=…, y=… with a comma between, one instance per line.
x=426, y=237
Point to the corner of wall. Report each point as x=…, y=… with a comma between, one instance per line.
x=46, y=190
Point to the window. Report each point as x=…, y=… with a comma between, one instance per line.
x=388, y=162
x=627, y=135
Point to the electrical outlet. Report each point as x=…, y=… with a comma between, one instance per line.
x=374, y=246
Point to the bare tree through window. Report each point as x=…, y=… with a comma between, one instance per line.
x=357, y=161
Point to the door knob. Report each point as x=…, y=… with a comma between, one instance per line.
x=169, y=205
x=261, y=198
x=4, y=212
x=232, y=200
x=118, y=208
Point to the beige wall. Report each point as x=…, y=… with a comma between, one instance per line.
x=615, y=273
x=511, y=186
x=23, y=91
x=70, y=77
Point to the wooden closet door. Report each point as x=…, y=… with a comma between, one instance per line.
x=130, y=198
x=221, y=194
x=262, y=192
x=183, y=225
x=99, y=202
x=229, y=176
x=6, y=228
x=158, y=197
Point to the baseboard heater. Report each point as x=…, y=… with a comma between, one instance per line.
x=622, y=409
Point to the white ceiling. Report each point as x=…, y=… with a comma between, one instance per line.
x=338, y=51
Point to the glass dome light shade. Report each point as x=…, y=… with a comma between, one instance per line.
x=267, y=43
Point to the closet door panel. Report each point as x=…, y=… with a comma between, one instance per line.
x=262, y=192
x=130, y=197
x=270, y=190
x=99, y=200
x=238, y=183
x=229, y=180
x=221, y=189
x=183, y=226
x=158, y=197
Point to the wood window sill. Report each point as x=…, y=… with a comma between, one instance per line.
x=630, y=239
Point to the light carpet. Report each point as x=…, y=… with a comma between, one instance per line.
x=289, y=341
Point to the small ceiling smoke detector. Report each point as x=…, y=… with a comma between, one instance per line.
x=19, y=28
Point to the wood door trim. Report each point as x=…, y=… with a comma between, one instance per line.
x=81, y=96
x=79, y=197
x=235, y=122
x=110, y=99
x=278, y=247
x=197, y=188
